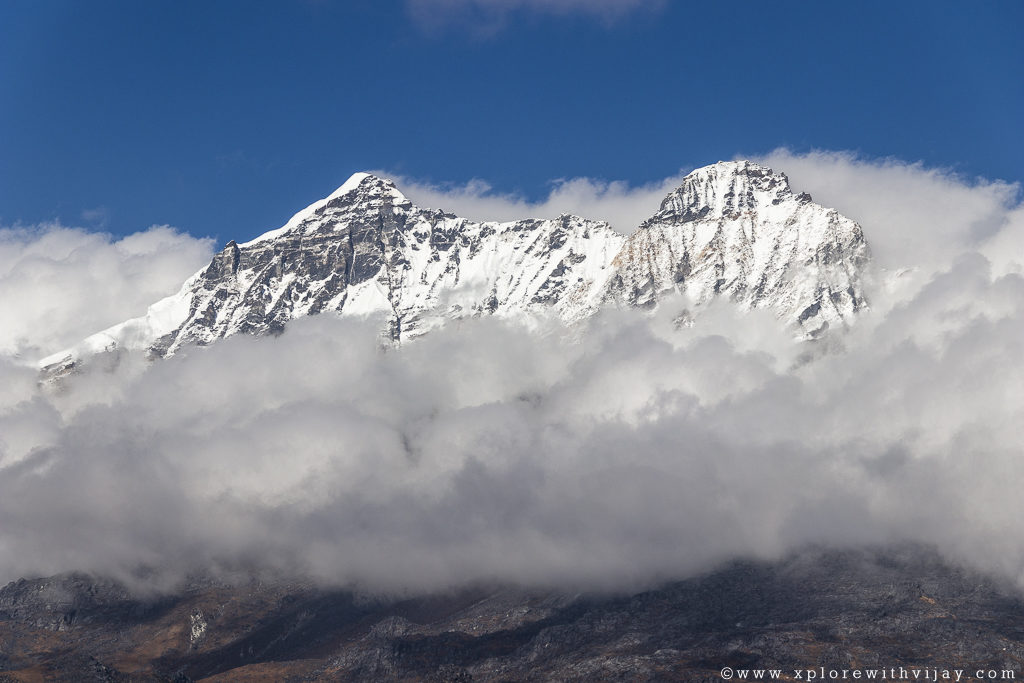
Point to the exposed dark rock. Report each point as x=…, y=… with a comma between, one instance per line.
x=837, y=609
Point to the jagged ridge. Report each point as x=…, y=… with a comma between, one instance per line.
x=734, y=229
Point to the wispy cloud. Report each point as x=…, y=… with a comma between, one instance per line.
x=485, y=17
x=98, y=217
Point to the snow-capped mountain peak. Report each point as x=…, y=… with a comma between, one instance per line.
x=363, y=184
x=736, y=229
x=731, y=229
x=727, y=188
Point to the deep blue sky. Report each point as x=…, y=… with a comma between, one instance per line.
x=224, y=118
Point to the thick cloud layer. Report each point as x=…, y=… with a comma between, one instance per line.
x=615, y=455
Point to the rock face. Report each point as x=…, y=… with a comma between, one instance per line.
x=367, y=249
x=736, y=229
x=733, y=229
x=864, y=610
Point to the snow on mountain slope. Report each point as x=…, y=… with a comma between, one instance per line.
x=733, y=229
x=367, y=249
x=736, y=229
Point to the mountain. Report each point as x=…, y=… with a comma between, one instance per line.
x=732, y=229
x=902, y=611
x=736, y=229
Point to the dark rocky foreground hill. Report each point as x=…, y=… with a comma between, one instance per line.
x=837, y=609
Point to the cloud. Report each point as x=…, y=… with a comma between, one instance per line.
x=914, y=216
x=622, y=205
x=918, y=221
x=614, y=456
x=60, y=284
x=485, y=17
x=97, y=217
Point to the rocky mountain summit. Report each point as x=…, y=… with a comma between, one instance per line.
x=736, y=229
x=733, y=229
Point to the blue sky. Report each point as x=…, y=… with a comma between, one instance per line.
x=225, y=118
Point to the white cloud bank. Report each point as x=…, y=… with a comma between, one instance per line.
x=60, y=284
x=912, y=215
x=630, y=453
